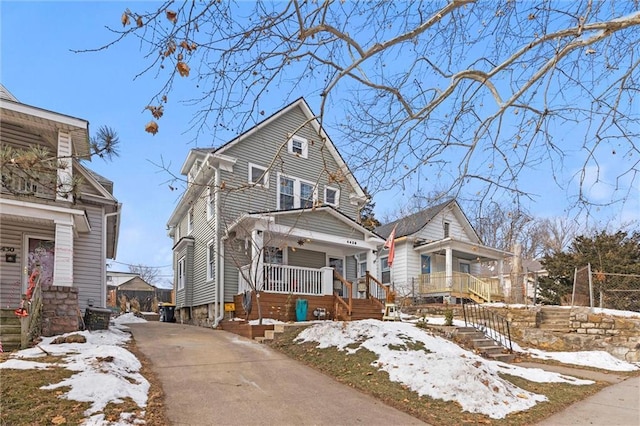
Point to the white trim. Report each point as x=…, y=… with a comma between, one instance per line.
x=265, y=175
x=304, y=146
x=337, y=196
x=210, y=205
x=44, y=114
x=190, y=220
x=182, y=273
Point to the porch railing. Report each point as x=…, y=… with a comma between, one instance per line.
x=458, y=282
x=287, y=279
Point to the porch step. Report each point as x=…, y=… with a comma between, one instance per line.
x=555, y=319
x=10, y=330
x=486, y=347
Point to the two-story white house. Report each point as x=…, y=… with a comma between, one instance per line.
x=439, y=257
x=276, y=210
x=67, y=234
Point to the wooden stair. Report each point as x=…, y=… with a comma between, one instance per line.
x=10, y=330
x=483, y=345
x=361, y=309
x=555, y=319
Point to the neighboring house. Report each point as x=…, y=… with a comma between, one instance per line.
x=276, y=209
x=70, y=234
x=520, y=286
x=438, y=257
x=129, y=286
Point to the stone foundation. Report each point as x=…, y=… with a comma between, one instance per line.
x=60, y=310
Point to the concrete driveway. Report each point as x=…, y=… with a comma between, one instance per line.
x=212, y=377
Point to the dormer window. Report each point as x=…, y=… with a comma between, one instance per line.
x=298, y=146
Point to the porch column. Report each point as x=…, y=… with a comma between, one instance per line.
x=63, y=257
x=371, y=266
x=257, y=259
x=449, y=267
x=505, y=291
x=65, y=170
x=327, y=280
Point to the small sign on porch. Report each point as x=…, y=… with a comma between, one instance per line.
x=229, y=307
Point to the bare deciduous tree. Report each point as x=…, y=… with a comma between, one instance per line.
x=147, y=273
x=471, y=92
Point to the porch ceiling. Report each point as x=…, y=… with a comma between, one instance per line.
x=463, y=250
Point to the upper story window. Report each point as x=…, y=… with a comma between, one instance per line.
x=298, y=146
x=446, y=229
x=190, y=221
x=331, y=196
x=181, y=273
x=295, y=193
x=258, y=175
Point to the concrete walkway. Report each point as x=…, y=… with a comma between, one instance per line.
x=213, y=377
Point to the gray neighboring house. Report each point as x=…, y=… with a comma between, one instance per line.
x=69, y=235
x=276, y=208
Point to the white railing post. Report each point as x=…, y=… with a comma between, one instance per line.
x=327, y=280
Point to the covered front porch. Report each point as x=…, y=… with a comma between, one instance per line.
x=308, y=253
x=460, y=277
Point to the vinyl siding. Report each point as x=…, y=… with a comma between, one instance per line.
x=12, y=235
x=203, y=232
x=234, y=258
x=434, y=230
x=268, y=147
x=306, y=258
x=88, y=263
x=322, y=222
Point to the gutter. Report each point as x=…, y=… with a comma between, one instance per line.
x=104, y=250
x=218, y=306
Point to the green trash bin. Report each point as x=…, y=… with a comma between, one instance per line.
x=301, y=309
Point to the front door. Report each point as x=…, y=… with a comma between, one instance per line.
x=425, y=268
x=337, y=263
x=40, y=253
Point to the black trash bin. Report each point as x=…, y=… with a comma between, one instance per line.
x=167, y=312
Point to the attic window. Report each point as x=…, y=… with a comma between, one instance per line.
x=298, y=146
x=331, y=196
x=446, y=229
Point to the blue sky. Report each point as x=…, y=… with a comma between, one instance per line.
x=38, y=67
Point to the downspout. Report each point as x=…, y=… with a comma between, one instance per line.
x=104, y=253
x=218, y=307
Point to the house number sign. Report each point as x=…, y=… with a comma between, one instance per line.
x=352, y=242
x=9, y=249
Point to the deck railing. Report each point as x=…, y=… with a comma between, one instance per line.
x=458, y=282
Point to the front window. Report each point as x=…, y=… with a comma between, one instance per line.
x=362, y=265
x=386, y=271
x=273, y=255
x=181, y=273
x=295, y=193
x=211, y=257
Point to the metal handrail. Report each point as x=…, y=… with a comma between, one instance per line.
x=488, y=322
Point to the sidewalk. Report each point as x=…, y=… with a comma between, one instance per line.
x=215, y=377
x=615, y=405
